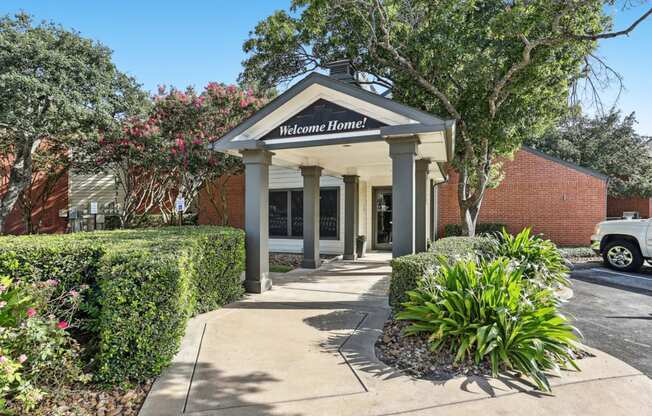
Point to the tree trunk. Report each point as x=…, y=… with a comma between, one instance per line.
x=469, y=217
x=471, y=201
x=20, y=176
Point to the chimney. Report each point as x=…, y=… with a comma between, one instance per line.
x=342, y=70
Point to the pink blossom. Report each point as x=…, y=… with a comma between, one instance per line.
x=52, y=282
x=3, y=304
x=31, y=312
x=74, y=293
x=197, y=141
x=62, y=325
x=22, y=358
x=2, y=288
x=2, y=359
x=181, y=144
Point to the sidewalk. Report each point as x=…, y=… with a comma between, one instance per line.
x=306, y=348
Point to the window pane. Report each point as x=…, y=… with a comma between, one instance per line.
x=328, y=213
x=297, y=213
x=278, y=214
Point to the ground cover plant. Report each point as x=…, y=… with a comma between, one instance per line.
x=491, y=311
x=540, y=259
x=407, y=271
x=114, y=304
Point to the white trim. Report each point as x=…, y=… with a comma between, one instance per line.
x=308, y=97
x=324, y=137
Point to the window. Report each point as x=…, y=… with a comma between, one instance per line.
x=286, y=213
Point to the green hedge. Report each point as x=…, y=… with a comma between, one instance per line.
x=455, y=230
x=144, y=285
x=408, y=270
x=144, y=307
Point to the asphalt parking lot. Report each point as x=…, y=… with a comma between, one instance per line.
x=614, y=312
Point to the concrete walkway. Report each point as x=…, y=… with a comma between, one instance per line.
x=306, y=348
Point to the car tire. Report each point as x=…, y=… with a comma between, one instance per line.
x=623, y=256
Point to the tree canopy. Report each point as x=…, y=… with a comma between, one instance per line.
x=164, y=154
x=502, y=70
x=608, y=144
x=55, y=86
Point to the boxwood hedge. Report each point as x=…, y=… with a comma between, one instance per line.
x=408, y=270
x=144, y=283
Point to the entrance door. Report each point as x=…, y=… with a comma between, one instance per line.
x=382, y=230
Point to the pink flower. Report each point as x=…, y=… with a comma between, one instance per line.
x=22, y=358
x=31, y=312
x=181, y=144
x=2, y=359
x=74, y=293
x=62, y=325
x=3, y=304
x=2, y=288
x=52, y=282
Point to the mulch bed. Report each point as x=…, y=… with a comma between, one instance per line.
x=412, y=355
x=291, y=259
x=89, y=401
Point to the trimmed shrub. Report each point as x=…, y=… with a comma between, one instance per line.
x=142, y=287
x=215, y=263
x=491, y=311
x=576, y=252
x=144, y=307
x=408, y=270
x=72, y=262
x=455, y=230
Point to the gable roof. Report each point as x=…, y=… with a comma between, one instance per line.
x=574, y=166
x=420, y=117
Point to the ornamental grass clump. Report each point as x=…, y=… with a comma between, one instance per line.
x=539, y=259
x=489, y=311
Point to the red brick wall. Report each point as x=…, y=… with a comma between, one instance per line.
x=47, y=214
x=558, y=201
x=234, y=188
x=616, y=206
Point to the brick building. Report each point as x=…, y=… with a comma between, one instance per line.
x=558, y=199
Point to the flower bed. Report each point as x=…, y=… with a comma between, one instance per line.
x=496, y=309
x=112, y=305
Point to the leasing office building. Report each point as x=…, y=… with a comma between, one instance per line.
x=323, y=130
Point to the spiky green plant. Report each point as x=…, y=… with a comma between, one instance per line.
x=490, y=311
x=539, y=259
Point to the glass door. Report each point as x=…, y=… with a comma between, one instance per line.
x=382, y=219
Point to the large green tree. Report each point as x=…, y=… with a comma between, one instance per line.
x=55, y=86
x=502, y=69
x=607, y=143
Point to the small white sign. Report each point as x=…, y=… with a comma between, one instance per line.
x=180, y=204
x=93, y=207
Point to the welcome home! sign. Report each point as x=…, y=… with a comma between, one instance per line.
x=323, y=117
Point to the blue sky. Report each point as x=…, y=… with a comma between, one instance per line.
x=193, y=42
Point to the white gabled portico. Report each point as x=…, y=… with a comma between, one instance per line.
x=328, y=127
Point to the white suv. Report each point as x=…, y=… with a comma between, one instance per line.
x=624, y=244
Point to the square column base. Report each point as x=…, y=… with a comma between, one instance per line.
x=310, y=263
x=258, y=286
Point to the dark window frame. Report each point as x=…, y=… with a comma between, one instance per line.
x=288, y=192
